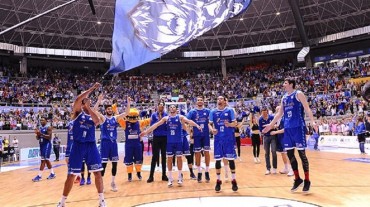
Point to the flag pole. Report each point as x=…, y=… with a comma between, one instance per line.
x=36, y=17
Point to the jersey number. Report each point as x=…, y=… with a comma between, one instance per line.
x=84, y=134
x=222, y=128
x=172, y=132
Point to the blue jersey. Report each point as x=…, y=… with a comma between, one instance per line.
x=293, y=111
x=44, y=130
x=184, y=133
x=161, y=130
x=70, y=132
x=201, y=117
x=174, y=129
x=109, y=129
x=83, y=128
x=262, y=122
x=218, y=117
x=132, y=132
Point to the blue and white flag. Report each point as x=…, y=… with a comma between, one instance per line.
x=145, y=30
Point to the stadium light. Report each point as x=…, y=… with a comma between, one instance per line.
x=277, y=13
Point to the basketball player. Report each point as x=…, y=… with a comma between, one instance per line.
x=188, y=150
x=174, y=147
x=69, y=140
x=69, y=146
x=108, y=145
x=280, y=146
x=200, y=115
x=84, y=145
x=222, y=123
x=294, y=104
x=43, y=135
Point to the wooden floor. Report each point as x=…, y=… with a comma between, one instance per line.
x=335, y=182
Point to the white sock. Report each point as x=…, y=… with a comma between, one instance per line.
x=63, y=200
x=101, y=197
x=170, y=175
x=199, y=169
x=207, y=168
x=287, y=167
x=218, y=176
x=113, y=178
x=233, y=176
x=40, y=173
x=51, y=170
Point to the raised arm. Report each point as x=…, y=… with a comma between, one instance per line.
x=100, y=99
x=78, y=102
x=127, y=111
x=95, y=117
x=96, y=109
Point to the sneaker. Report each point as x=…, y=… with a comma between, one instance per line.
x=306, y=186
x=255, y=160
x=267, y=172
x=150, y=180
x=102, y=204
x=206, y=175
x=88, y=181
x=234, y=185
x=199, y=177
x=284, y=171
x=296, y=185
x=113, y=187
x=258, y=160
x=82, y=182
x=139, y=176
x=218, y=186
x=273, y=171
x=240, y=159
x=192, y=176
x=129, y=177
x=78, y=179
x=169, y=184
x=290, y=173
x=51, y=176
x=179, y=182
x=60, y=204
x=164, y=178
x=37, y=178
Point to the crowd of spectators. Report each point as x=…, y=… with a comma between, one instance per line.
x=50, y=92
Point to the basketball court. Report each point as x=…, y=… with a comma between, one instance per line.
x=338, y=179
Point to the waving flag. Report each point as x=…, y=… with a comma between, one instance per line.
x=144, y=30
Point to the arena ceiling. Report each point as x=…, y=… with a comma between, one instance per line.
x=265, y=22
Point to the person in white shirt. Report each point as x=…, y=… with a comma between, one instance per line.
x=15, y=142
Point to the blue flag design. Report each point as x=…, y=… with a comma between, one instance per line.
x=145, y=30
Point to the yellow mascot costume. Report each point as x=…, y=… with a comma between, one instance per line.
x=133, y=147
